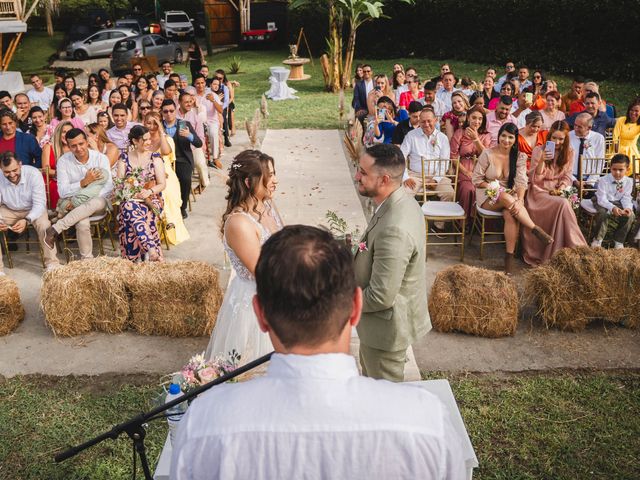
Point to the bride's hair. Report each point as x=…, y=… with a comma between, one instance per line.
x=248, y=169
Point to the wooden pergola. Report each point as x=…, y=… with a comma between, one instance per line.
x=244, y=8
x=13, y=21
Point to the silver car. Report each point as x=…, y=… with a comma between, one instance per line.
x=100, y=44
x=149, y=45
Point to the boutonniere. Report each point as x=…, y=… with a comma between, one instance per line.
x=619, y=186
x=587, y=144
x=362, y=247
x=434, y=142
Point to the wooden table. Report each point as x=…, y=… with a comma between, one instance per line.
x=297, y=68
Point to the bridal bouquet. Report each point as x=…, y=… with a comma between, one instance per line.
x=199, y=370
x=340, y=229
x=493, y=191
x=571, y=194
x=125, y=189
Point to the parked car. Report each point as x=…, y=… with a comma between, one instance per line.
x=139, y=24
x=176, y=24
x=149, y=45
x=99, y=44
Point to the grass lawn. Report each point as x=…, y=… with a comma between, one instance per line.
x=33, y=52
x=560, y=425
x=318, y=109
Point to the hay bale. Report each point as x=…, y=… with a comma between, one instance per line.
x=11, y=309
x=86, y=296
x=474, y=300
x=582, y=284
x=178, y=299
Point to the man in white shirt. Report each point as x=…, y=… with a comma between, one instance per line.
x=439, y=108
x=119, y=133
x=23, y=200
x=189, y=112
x=586, y=143
x=312, y=415
x=39, y=95
x=426, y=142
x=509, y=70
x=75, y=170
x=523, y=78
x=166, y=71
x=448, y=87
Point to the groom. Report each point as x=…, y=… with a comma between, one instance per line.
x=390, y=266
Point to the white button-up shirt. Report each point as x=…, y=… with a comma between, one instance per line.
x=28, y=194
x=439, y=108
x=368, y=86
x=70, y=172
x=417, y=144
x=608, y=192
x=43, y=99
x=445, y=97
x=316, y=417
x=593, y=148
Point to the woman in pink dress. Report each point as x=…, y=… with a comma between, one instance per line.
x=467, y=144
x=550, y=173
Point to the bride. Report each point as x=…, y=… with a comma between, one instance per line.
x=249, y=220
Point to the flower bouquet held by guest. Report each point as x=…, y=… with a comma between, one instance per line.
x=467, y=144
x=248, y=221
x=141, y=178
x=500, y=177
x=549, y=178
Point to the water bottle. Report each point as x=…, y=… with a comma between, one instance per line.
x=175, y=413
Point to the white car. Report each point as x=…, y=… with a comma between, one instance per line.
x=176, y=24
x=99, y=44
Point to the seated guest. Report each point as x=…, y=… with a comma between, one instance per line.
x=521, y=108
x=551, y=112
x=126, y=95
x=156, y=101
x=601, y=121
x=509, y=73
x=490, y=72
x=506, y=89
x=550, y=173
x=467, y=144
x=313, y=402
x=584, y=141
x=167, y=70
x=386, y=120
x=23, y=200
x=487, y=93
x=58, y=94
x=137, y=218
x=22, y=111
x=572, y=95
x=51, y=152
x=499, y=117
x=444, y=68
x=85, y=112
x=183, y=136
x=171, y=92
x=626, y=134
x=426, y=142
x=504, y=164
x=468, y=86
x=23, y=145
x=119, y=133
x=77, y=169
x=448, y=87
x=399, y=83
x=361, y=91
x=532, y=135
x=523, y=78
x=98, y=140
x=413, y=94
x=39, y=95
x=439, y=108
x=6, y=101
x=66, y=113
x=537, y=85
x=454, y=118
x=578, y=106
x=189, y=112
x=613, y=199
x=381, y=89
x=405, y=126
x=39, y=126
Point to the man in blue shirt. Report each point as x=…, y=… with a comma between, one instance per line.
x=601, y=121
x=23, y=145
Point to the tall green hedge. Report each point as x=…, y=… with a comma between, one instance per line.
x=598, y=39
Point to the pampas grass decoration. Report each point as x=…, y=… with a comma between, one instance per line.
x=582, y=284
x=264, y=107
x=11, y=309
x=474, y=300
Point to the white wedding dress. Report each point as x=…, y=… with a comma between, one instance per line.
x=237, y=326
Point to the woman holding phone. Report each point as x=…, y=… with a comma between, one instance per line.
x=532, y=135
x=550, y=173
x=386, y=120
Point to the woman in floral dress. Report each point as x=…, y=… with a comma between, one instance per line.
x=138, y=216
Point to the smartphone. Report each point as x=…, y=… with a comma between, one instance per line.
x=181, y=124
x=550, y=147
x=377, y=87
x=528, y=97
x=382, y=114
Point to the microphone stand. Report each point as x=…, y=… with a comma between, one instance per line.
x=135, y=427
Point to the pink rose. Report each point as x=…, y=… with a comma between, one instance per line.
x=362, y=246
x=208, y=374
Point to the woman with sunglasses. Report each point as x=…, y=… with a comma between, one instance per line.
x=144, y=107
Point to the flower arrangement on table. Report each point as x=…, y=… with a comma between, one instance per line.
x=126, y=189
x=199, y=370
x=340, y=230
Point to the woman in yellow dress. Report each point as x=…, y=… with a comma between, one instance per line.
x=176, y=231
x=626, y=133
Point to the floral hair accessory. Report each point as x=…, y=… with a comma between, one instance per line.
x=236, y=166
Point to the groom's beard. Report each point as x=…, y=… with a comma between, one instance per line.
x=362, y=190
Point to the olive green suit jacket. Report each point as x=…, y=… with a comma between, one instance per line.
x=391, y=273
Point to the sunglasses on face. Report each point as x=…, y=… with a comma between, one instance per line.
x=145, y=107
x=168, y=111
x=366, y=71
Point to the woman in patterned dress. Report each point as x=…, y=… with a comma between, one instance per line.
x=138, y=232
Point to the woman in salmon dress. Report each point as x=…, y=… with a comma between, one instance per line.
x=467, y=144
x=549, y=174
x=532, y=135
